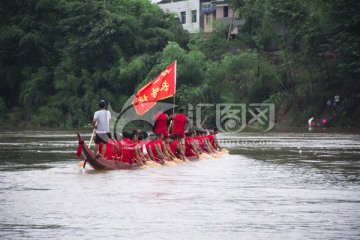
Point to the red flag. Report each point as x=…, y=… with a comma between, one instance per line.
x=163, y=86
x=79, y=151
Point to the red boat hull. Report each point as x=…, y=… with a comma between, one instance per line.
x=101, y=163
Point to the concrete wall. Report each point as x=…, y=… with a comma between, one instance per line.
x=218, y=15
x=185, y=6
x=208, y=22
x=220, y=12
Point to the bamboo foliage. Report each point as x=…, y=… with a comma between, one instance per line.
x=58, y=58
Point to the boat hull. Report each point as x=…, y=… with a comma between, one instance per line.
x=101, y=163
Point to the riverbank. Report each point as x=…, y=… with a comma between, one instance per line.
x=289, y=113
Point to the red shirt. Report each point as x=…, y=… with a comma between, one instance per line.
x=211, y=139
x=188, y=149
x=160, y=124
x=174, y=147
x=200, y=140
x=151, y=145
x=110, y=151
x=118, y=153
x=128, y=151
x=180, y=121
x=161, y=144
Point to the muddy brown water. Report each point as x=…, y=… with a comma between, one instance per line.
x=278, y=185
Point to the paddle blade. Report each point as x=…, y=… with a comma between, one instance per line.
x=204, y=156
x=169, y=163
x=176, y=160
x=224, y=150
x=80, y=164
x=152, y=164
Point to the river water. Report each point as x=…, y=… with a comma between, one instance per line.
x=277, y=185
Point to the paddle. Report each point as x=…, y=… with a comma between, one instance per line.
x=151, y=163
x=205, y=155
x=141, y=163
x=223, y=150
x=214, y=155
x=177, y=160
x=91, y=139
x=138, y=157
x=169, y=163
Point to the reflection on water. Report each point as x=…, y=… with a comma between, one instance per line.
x=273, y=186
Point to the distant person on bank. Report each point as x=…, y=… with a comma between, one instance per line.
x=311, y=122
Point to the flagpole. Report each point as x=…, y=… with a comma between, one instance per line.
x=175, y=86
x=173, y=112
x=174, y=105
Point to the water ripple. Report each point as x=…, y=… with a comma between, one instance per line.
x=264, y=190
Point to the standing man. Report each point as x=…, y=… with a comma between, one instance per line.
x=179, y=123
x=161, y=122
x=101, y=122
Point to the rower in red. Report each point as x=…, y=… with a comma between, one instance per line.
x=191, y=149
x=130, y=150
x=175, y=147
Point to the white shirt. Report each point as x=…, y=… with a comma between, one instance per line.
x=310, y=121
x=144, y=149
x=103, y=121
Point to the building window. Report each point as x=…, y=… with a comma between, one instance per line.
x=193, y=16
x=183, y=17
x=226, y=11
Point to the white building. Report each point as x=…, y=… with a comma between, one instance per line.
x=188, y=12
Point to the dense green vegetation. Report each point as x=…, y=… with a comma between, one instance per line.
x=58, y=58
